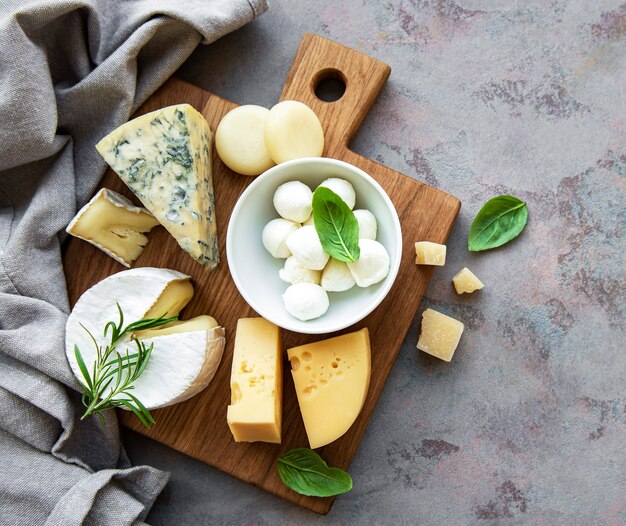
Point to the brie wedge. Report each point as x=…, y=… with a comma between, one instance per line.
x=113, y=224
x=185, y=355
x=164, y=157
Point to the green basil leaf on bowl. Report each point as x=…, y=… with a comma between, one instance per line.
x=336, y=225
x=500, y=220
x=305, y=472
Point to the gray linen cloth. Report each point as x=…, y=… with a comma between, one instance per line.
x=70, y=71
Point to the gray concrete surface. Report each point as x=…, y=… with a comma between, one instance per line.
x=527, y=425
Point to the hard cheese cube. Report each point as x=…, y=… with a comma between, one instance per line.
x=440, y=334
x=466, y=281
x=428, y=253
x=331, y=378
x=256, y=382
x=113, y=224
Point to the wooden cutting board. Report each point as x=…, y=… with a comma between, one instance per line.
x=198, y=427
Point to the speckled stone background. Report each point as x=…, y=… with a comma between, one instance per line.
x=527, y=425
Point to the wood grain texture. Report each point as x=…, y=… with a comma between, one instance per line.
x=198, y=427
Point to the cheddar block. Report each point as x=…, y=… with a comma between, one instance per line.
x=466, y=281
x=427, y=253
x=256, y=382
x=440, y=335
x=113, y=224
x=331, y=378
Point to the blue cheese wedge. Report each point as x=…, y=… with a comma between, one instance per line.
x=113, y=224
x=165, y=159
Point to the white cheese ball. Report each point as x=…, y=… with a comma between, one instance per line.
x=293, y=201
x=336, y=276
x=367, y=224
x=309, y=221
x=275, y=235
x=240, y=140
x=292, y=131
x=306, y=301
x=343, y=189
x=373, y=264
x=294, y=273
x=305, y=246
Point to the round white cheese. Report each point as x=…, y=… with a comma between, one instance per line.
x=367, y=224
x=292, y=131
x=336, y=276
x=373, y=264
x=181, y=364
x=275, y=234
x=293, y=272
x=240, y=140
x=293, y=201
x=343, y=189
x=306, y=301
x=306, y=247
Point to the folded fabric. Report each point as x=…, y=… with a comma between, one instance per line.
x=72, y=70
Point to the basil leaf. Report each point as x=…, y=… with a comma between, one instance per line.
x=305, y=472
x=336, y=225
x=500, y=220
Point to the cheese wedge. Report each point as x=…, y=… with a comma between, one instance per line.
x=165, y=159
x=199, y=323
x=440, y=335
x=256, y=382
x=183, y=360
x=331, y=378
x=113, y=224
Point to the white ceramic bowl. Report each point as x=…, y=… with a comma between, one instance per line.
x=255, y=271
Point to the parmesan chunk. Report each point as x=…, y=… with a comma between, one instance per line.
x=466, y=281
x=440, y=335
x=428, y=253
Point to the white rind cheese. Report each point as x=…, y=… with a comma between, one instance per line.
x=181, y=364
x=113, y=224
x=165, y=159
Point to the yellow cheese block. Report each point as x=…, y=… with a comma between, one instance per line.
x=427, y=253
x=466, y=281
x=331, y=379
x=440, y=334
x=113, y=224
x=256, y=383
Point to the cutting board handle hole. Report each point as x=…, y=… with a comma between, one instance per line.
x=329, y=85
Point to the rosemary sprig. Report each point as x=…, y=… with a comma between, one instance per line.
x=117, y=371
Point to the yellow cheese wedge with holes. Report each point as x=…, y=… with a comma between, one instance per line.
x=331, y=378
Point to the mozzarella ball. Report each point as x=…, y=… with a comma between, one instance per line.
x=373, y=264
x=293, y=273
x=367, y=224
x=293, y=201
x=343, y=189
x=336, y=276
x=292, y=130
x=240, y=140
x=309, y=221
x=275, y=235
x=306, y=301
x=305, y=246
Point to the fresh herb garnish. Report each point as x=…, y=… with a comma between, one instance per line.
x=305, y=472
x=336, y=225
x=110, y=381
x=500, y=220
